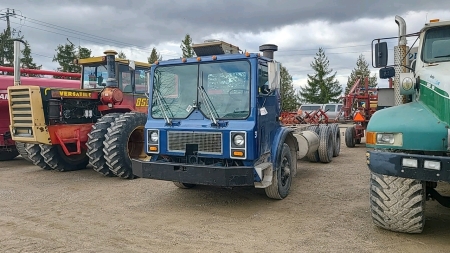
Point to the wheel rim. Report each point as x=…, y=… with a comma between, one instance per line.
x=135, y=144
x=285, y=170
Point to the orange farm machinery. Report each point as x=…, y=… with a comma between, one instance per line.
x=9, y=149
x=101, y=123
x=360, y=104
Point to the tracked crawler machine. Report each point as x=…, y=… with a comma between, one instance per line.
x=67, y=129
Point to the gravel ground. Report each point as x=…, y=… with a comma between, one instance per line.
x=326, y=211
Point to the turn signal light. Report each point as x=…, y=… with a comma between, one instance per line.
x=434, y=20
x=371, y=138
x=153, y=148
x=238, y=153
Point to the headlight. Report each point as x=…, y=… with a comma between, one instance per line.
x=384, y=138
x=154, y=136
x=238, y=140
x=407, y=83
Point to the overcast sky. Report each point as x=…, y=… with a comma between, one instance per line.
x=343, y=28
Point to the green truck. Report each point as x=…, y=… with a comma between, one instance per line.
x=408, y=145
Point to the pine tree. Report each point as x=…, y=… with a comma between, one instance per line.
x=288, y=98
x=361, y=70
x=322, y=87
x=65, y=54
x=121, y=55
x=186, y=47
x=154, y=56
x=27, y=60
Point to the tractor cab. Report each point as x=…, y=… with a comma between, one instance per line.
x=94, y=73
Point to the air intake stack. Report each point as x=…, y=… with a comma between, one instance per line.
x=111, y=80
x=214, y=47
x=268, y=50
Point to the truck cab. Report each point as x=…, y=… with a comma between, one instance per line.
x=214, y=120
x=408, y=144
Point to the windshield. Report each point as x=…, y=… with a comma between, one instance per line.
x=220, y=90
x=437, y=45
x=94, y=77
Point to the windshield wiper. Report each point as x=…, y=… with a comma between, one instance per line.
x=209, y=105
x=162, y=103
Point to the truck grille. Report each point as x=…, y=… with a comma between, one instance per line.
x=208, y=142
x=20, y=106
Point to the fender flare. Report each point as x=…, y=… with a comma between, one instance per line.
x=281, y=135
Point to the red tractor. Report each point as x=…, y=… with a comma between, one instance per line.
x=8, y=148
x=101, y=124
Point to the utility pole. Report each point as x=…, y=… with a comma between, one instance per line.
x=6, y=15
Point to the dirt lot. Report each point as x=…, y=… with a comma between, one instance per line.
x=327, y=211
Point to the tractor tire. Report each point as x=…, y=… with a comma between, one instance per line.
x=124, y=140
x=34, y=154
x=282, y=177
x=336, y=140
x=22, y=151
x=350, y=134
x=183, y=185
x=55, y=157
x=95, y=144
x=397, y=204
x=326, y=143
x=314, y=157
x=7, y=155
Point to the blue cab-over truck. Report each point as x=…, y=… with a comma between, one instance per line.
x=214, y=119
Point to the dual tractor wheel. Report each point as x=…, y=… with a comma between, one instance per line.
x=113, y=141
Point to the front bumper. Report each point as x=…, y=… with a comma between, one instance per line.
x=194, y=173
x=390, y=164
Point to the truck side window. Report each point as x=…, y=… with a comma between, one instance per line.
x=263, y=79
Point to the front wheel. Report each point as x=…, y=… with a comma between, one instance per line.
x=282, y=177
x=397, y=204
x=21, y=148
x=124, y=141
x=55, y=157
x=350, y=135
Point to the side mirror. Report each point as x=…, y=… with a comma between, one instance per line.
x=381, y=54
x=386, y=73
x=274, y=75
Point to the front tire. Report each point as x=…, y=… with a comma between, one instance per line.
x=282, y=177
x=124, y=140
x=350, y=134
x=55, y=157
x=21, y=148
x=95, y=144
x=397, y=204
x=34, y=153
